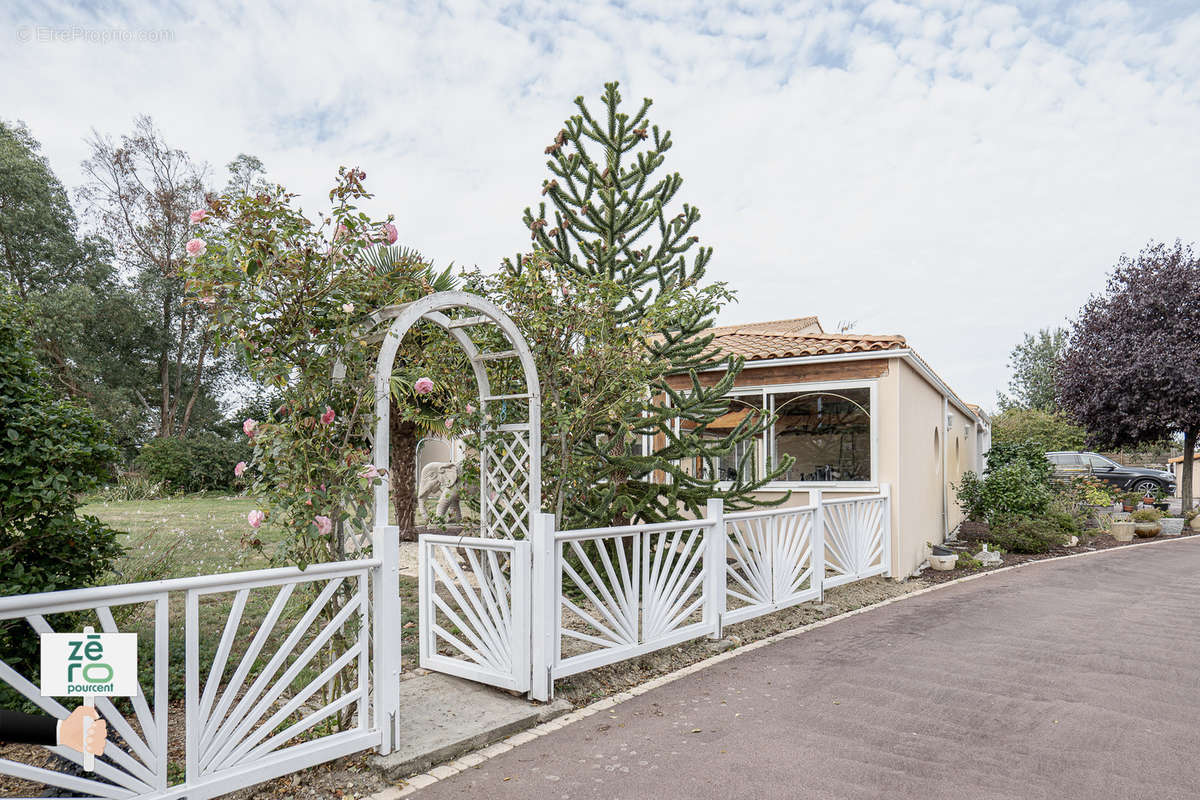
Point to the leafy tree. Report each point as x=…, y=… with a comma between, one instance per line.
x=246, y=175
x=1050, y=430
x=88, y=328
x=1129, y=373
x=140, y=192
x=610, y=220
x=1033, y=364
x=294, y=299
x=51, y=451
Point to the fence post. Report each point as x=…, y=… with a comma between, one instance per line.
x=885, y=491
x=544, y=612
x=818, y=543
x=714, y=564
x=386, y=635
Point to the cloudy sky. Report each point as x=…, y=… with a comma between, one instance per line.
x=957, y=172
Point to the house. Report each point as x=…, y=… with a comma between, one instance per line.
x=855, y=411
x=1176, y=466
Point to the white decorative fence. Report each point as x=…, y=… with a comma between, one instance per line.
x=602, y=595
x=252, y=711
x=474, y=613
x=272, y=658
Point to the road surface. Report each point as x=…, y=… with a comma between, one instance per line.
x=1069, y=679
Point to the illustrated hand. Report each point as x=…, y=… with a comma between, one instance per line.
x=70, y=733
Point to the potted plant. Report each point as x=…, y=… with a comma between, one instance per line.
x=1193, y=519
x=1146, y=523
x=1130, y=500
x=1160, y=501
x=1123, y=529
x=942, y=559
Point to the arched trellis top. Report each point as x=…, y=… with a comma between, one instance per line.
x=510, y=458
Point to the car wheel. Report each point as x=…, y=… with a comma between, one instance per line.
x=1147, y=486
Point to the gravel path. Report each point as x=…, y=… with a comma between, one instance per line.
x=1070, y=679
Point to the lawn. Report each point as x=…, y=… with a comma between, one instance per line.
x=202, y=533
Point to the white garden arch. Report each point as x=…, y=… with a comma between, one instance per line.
x=510, y=462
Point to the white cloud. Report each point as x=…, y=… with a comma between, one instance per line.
x=959, y=172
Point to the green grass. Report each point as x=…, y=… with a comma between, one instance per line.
x=204, y=530
x=201, y=535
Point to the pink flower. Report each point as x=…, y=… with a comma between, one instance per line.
x=470, y=408
x=250, y=427
x=208, y=300
x=340, y=232
x=423, y=386
x=240, y=469
x=389, y=233
x=348, y=308
x=195, y=247
x=197, y=216
x=328, y=416
x=370, y=472
x=450, y=423
x=324, y=525
x=255, y=518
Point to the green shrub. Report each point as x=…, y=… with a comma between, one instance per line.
x=1013, y=489
x=1033, y=534
x=1147, y=515
x=51, y=452
x=199, y=463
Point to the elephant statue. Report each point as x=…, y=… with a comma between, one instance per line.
x=440, y=478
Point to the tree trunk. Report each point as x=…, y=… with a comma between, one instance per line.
x=403, y=466
x=1189, y=448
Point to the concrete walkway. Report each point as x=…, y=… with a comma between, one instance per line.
x=1071, y=679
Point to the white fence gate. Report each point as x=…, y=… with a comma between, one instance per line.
x=474, y=612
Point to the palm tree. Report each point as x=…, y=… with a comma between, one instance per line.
x=409, y=421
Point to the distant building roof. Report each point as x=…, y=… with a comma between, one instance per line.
x=791, y=338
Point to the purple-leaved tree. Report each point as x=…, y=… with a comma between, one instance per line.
x=1131, y=372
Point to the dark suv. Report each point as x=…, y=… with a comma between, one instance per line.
x=1068, y=465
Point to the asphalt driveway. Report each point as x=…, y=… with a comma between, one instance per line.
x=1070, y=679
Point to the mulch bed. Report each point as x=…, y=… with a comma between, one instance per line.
x=1098, y=542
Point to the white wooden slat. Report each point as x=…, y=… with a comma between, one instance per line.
x=217, y=670
x=267, y=699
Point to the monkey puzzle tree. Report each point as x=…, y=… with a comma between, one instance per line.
x=611, y=220
x=1129, y=374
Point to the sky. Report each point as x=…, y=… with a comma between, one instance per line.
x=955, y=172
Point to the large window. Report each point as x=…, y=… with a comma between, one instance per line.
x=827, y=432
x=745, y=459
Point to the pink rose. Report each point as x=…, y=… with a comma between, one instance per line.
x=470, y=408
x=340, y=232
x=195, y=247
x=324, y=525
x=370, y=472
x=197, y=216
x=423, y=386
x=328, y=416
x=255, y=518
x=389, y=233
x=240, y=469
x=450, y=423
x=249, y=427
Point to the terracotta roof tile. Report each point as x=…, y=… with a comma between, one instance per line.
x=791, y=338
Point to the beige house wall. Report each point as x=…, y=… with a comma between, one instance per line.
x=925, y=445
x=1177, y=469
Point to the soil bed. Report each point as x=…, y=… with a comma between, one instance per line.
x=1099, y=542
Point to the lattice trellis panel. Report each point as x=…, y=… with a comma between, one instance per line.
x=507, y=461
x=474, y=614
x=622, y=595
x=854, y=539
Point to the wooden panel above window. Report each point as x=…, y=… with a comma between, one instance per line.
x=794, y=373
